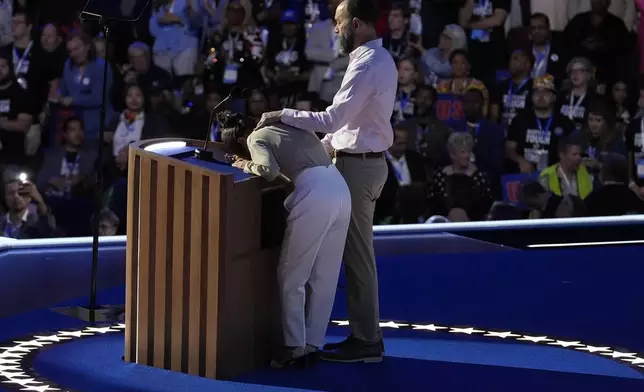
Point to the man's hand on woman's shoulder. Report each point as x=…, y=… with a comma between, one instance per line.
x=269, y=118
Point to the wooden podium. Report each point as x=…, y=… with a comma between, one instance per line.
x=201, y=290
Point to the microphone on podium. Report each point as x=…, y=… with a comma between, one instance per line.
x=203, y=153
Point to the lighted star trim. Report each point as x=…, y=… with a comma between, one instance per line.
x=15, y=356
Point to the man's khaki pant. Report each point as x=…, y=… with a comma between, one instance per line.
x=365, y=177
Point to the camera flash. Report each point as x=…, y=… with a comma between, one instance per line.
x=23, y=177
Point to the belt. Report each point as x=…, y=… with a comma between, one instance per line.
x=363, y=155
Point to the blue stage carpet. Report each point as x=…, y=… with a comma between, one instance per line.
x=416, y=361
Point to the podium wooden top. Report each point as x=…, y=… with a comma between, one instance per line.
x=183, y=150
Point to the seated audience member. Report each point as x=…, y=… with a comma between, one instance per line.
x=570, y=207
x=27, y=214
x=634, y=138
x=406, y=170
x=539, y=202
x=461, y=184
x=504, y=211
x=614, y=198
x=599, y=136
x=408, y=71
x=15, y=116
x=397, y=40
x=108, y=223
x=67, y=168
x=450, y=91
x=435, y=61
x=430, y=136
x=579, y=93
x=531, y=143
x=569, y=176
x=619, y=97
x=513, y=94
x=489, y=139
x=134, y=124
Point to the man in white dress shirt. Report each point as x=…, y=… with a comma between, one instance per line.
x=357, y=128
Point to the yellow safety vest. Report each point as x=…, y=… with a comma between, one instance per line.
x=584, y=181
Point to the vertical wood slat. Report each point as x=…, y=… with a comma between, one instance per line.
x=161, y=270
x=176, y=321
x=194, y=311
x=143, y=324
x=212, y=288
x=132, y=257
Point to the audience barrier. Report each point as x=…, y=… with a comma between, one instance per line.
x=575, y=279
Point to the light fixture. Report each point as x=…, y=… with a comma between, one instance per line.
x=162, y=146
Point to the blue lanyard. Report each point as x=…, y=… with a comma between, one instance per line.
x=396, y=170
x=540, y=56
x=404, y=99
x=477, y=129
x=548, y=124
x=71, y=167
x=512, y=91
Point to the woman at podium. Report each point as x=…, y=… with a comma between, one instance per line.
x=316, y=230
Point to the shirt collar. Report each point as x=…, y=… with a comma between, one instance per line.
x=25, y=215
x=373, y=44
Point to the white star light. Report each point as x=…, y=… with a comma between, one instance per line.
x=535, y=339
x=76, y=334
x=565, y=344
x=34, y=343
x=103, y=330
x=8, y=354
x=8, y=361
x=467, y=331
x=341, y=322
x=14, y=375
x=618, y=354
x=593, y=349
x=52, y=338
x=634, y=361
x=24, y=382
x=43, y=388
x=17, y=348
x=119, y=326
x=392, y=324
x=502, y=335
x=428, y=327
x=9, y=368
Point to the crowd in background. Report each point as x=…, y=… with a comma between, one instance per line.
x=505, y=109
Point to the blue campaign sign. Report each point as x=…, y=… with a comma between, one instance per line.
x=449, y=107
x=511, y=183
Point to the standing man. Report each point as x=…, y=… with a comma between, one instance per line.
x=358, y=130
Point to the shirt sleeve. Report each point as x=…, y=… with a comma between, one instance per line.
x=263, y=161
x=353, y=96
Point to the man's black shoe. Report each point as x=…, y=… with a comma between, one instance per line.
x=348, y=341
x=354, y=350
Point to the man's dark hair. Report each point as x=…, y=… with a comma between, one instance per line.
x=615, y=168
x=569, y=141
x=501, y=210
x=234, y=126
x=365, y=10
x=408, y=126
x=401, y=6
x=542, y=16
x=527, y=54
x=29, y=18
x=476, y=91
x=530, y=190
x=459, y=52
x=70, y=120
x=426, y=87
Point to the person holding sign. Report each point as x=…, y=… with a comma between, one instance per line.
x=533, y=136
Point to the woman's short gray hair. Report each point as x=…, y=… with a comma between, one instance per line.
x=459, y=141
x=457, y=35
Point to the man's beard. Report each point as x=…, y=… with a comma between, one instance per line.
x=347, y=41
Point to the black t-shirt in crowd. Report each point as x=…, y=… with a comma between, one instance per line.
x=512, y=98
x=33, y=71
x=635, y=147
x=14, y=100
x=487, y=46
x=537, y=137
x=574, y=107
x=287, y=55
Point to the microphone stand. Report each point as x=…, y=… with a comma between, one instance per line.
x=203, y=153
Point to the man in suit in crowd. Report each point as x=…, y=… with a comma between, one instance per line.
x=406, y=170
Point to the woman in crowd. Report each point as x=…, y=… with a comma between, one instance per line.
x=619, y=96
x=449, y=106
x=579, y=91
x=600, y=136
x=436, y=61
x=408, y=74
x=461, y=185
